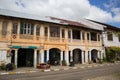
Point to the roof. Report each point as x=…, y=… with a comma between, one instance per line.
x=108, y=26
x=82, y=23
x=91, y=24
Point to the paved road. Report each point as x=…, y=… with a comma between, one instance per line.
x=77, y=74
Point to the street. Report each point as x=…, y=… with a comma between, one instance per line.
x=74, y=74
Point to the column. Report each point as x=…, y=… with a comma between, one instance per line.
x=89, y=55
x=67, y=57
x=71, y=56
x=42, y=55
x=16, y=57
x=81, y=35
x=61, y=56
x=47, y=55
x=86, y=56
x=35, y=58
x=98, y=54
x=82, y=57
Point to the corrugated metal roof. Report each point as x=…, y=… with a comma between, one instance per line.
x=82, y=23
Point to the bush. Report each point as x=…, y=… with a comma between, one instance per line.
x=104, y=60
x=2, y=67
x=112, y=61
x=64, y=63
x=90, y=62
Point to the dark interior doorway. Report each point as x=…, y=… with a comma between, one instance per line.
x=77, y=56
x=94, y=55
x=25, y=57
x=13, y=57
x=54, y=56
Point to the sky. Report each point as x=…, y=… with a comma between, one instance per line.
x=106, y=11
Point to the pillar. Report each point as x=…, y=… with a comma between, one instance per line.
x=81, y=37
x=16, y=57
x=89, y=55
x=86, y=57
x=67, y=57
x=47, y=55
x=42, y=55
x=82, y=57
x=98, y=54
x=61, y=56
x=35, y=58
x=71, y=56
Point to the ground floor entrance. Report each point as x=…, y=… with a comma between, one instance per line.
x=25, y=57
x=54, y=56
x=94, y=55
x=77, y=56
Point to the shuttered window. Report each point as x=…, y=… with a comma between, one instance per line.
x=26, y=28
x=4, y=28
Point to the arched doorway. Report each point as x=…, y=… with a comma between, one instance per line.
x=94, y=55
x=54, y=56
x=77, y=56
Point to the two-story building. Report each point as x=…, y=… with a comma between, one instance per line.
x=27, y=40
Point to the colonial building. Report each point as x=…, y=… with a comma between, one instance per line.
x=27, y=40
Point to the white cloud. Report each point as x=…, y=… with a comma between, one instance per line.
x=68, y=9
x=116, y=12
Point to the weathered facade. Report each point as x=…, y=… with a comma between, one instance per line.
x=27, y=41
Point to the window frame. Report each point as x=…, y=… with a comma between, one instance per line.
x=14, y=27
x=4, y=28
x=27, y=28
x=109, y=36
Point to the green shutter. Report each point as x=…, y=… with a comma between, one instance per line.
x=32, y=29
x=21, y=28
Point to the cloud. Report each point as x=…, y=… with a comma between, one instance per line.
x=71, y=9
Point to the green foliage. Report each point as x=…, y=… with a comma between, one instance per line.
x=90, y=62
x=64, y=63
x=2, y=67
x=111, y=53
x=104, y=60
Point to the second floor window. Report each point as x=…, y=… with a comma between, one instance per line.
x=83, y=35
x=15, y=28
x=88, y=38
x=54, y=31
x=26, y=28
x=38, y=30
x=98, y=37
x=46, y=31
x=109, y=36
x=63, y=33
x=4, y=28
x=93, y=36
x=76, y=34
x=69, y=34
x=119, y=38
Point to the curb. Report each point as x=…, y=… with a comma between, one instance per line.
x=19, y=72
x=68, y=68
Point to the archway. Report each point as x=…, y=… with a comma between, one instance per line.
x=77, y=56
x=54, y=56
x=94, y=55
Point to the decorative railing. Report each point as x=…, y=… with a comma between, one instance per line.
x=54, y=39
x=24, y=36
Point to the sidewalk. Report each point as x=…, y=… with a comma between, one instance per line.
x=54, y=68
